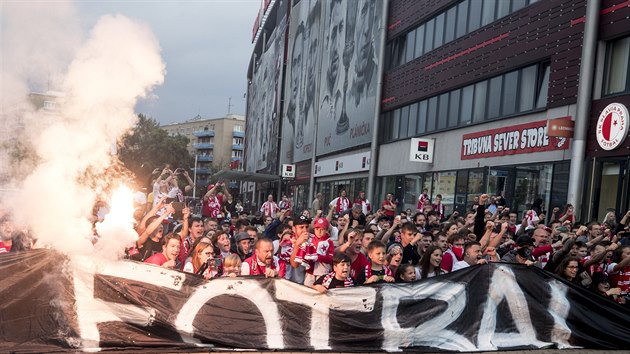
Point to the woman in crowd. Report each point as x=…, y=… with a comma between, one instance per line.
x=430, y=263
x=394, y=257
x=202, y=261
x=568, y=269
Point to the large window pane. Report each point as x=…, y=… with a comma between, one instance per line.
x=428, y=36
x=474, y=15
x=487, y=16
x=396, y=124
x=386, y=121
x=419, y=41
x=518, y=4
x=528, y=88
x=543, y=88
x=442, y=115
x=617, y=62
x=462, y=19
x=444, y=184
x=409, y=50
x=467, y=104
x=413, y=119
x=404, y=122
x=453, y=112
x=509, y=93
x=422, y=117
x=451, y=21
x=494, y=97
x=439, y=31
x=480, y=101
x=432, y=113
x=503, y=8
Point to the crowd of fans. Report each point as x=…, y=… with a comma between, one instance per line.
x=354, y=243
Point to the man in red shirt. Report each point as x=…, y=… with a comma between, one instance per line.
x=619, y=270
x=389, y=206
x=170, y=251
x=213, y=200
x=269, y=208
x=262, y=262
x=341, y=203
x=6, y=232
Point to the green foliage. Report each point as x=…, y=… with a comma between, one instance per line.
x=148, y=147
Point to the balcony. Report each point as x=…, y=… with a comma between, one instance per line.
x=203, y=146
x=207, y=158
x=202, y=171
x=204, y=133
x=236, y=134
x=235, y=159
x=237, y=147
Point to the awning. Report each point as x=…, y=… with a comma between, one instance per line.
x=246, y=176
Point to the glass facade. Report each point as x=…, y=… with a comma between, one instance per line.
x=520, y=185
x=458, y=20
x=617, y=73
x=330, y=190
x=496, y=98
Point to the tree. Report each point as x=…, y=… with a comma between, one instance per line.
x=148, y=147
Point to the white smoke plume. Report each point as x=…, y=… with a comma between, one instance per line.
x=97, y=83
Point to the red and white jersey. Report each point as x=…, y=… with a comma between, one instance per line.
x=365, y=205
x=593, y=268
x=4, y=248
x=439, y=209
x=212, y=206
x=423, y=200
x=358, y=266
x=316, y=255
x=253, y=266
x=340, y=204
x=620, y=279
x=269, y=209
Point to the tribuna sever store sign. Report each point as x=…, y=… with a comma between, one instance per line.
x=512, y=140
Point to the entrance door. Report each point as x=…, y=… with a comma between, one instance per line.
x=612, y=191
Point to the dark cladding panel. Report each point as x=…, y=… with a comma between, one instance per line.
x=404, y=14
x=539, y=32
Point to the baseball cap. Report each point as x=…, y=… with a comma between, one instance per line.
x=524, y=240
x=321, y=223
x=301, y=220
x=242, y=236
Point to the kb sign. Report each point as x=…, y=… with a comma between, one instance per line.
x=421, y=150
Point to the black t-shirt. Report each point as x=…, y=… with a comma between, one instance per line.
x=148, y=249
x=380, y=274
x=361, y=219
x=334, y=283
x=410, y=255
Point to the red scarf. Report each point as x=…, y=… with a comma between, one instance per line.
x=255, y=268
x=341, y=207
x=328, y=278
x=368, y=271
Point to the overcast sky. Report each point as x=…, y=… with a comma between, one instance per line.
x=206, y=45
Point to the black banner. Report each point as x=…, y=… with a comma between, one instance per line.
x=52, y=304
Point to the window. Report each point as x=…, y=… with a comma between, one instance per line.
x=494, y=97
x=474, y=16
x=422, y=117
x=409, y=46
x=439, y=30
x=442, y=115
x=404, y=122
x=432, y=113
x=237, y=128
x=467, y=104
x=428, y=36
x=452, y=23
x=498, y=97
x=510, y=85
x=419, y=42
x=528, y=88
x=617, y=63
x=479, y=113
x=543, y=88
x=453, y=112
x=462, y=18
x=413, y=119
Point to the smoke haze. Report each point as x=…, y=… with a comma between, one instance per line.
x=95, y=83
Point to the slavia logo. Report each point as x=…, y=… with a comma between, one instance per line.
x=612, y=126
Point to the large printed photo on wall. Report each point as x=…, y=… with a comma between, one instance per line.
x=264, y=104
